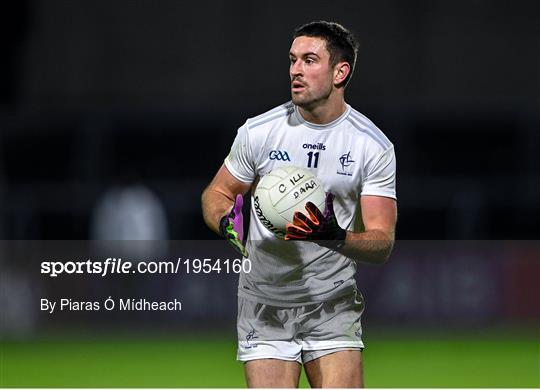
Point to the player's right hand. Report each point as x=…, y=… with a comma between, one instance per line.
x=231, y=226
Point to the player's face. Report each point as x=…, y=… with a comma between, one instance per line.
x=310, y=71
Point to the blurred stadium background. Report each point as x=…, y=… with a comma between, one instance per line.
x=114, y=115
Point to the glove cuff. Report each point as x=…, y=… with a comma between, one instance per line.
x=223, y=223
x=337, y=242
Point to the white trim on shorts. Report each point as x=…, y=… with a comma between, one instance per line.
x=319, y=345
x=283, y=350
x=292, y=350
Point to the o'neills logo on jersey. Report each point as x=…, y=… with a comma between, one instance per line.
x=319, y=146
x=266, y=223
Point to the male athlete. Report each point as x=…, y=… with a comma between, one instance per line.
x=299, y=304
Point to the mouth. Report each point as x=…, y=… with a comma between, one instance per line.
x=297, y=86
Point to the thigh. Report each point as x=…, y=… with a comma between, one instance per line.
x=339, y=369
x=272, y=373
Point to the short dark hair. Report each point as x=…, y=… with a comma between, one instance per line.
x=340, y=42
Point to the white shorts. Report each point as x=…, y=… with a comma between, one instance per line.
x=302, y=333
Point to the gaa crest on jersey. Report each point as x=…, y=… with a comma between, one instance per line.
x=346, y=164
x=279, y=155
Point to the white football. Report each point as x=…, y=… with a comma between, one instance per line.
x=282, y=192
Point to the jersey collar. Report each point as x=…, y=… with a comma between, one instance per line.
x=325, y=126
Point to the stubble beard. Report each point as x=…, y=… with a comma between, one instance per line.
x=308, y=101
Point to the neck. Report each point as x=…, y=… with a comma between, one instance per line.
x=324, y=113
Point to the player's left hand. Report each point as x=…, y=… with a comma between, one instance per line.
x=318, y=227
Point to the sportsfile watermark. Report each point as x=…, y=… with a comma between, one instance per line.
x=78, y=282
x=186, y=282
x=119, y=266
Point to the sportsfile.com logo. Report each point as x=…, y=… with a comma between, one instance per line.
x=279, y=155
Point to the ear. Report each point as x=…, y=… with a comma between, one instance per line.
x=341, y=71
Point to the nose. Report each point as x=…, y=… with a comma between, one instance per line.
x=295, y=68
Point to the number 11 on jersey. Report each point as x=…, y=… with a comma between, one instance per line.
x=313, y=158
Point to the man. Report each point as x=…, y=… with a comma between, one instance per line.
x=299, y=304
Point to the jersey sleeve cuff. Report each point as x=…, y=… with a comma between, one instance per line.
x=236, y=174
x=386, y=194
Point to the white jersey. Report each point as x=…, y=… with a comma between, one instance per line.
x=350, y=156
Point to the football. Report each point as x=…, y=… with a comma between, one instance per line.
x=282, y=192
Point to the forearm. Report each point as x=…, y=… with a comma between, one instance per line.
x=215, y=205
x=373, y=246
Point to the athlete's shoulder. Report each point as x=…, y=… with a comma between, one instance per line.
x=367, y=128
x=274, y=114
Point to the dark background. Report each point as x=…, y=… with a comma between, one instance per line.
x=96, y=94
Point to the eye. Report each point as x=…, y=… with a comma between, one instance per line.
x=310, y=60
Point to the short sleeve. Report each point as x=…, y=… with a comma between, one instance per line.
x=239, y=162
x=380, y=175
